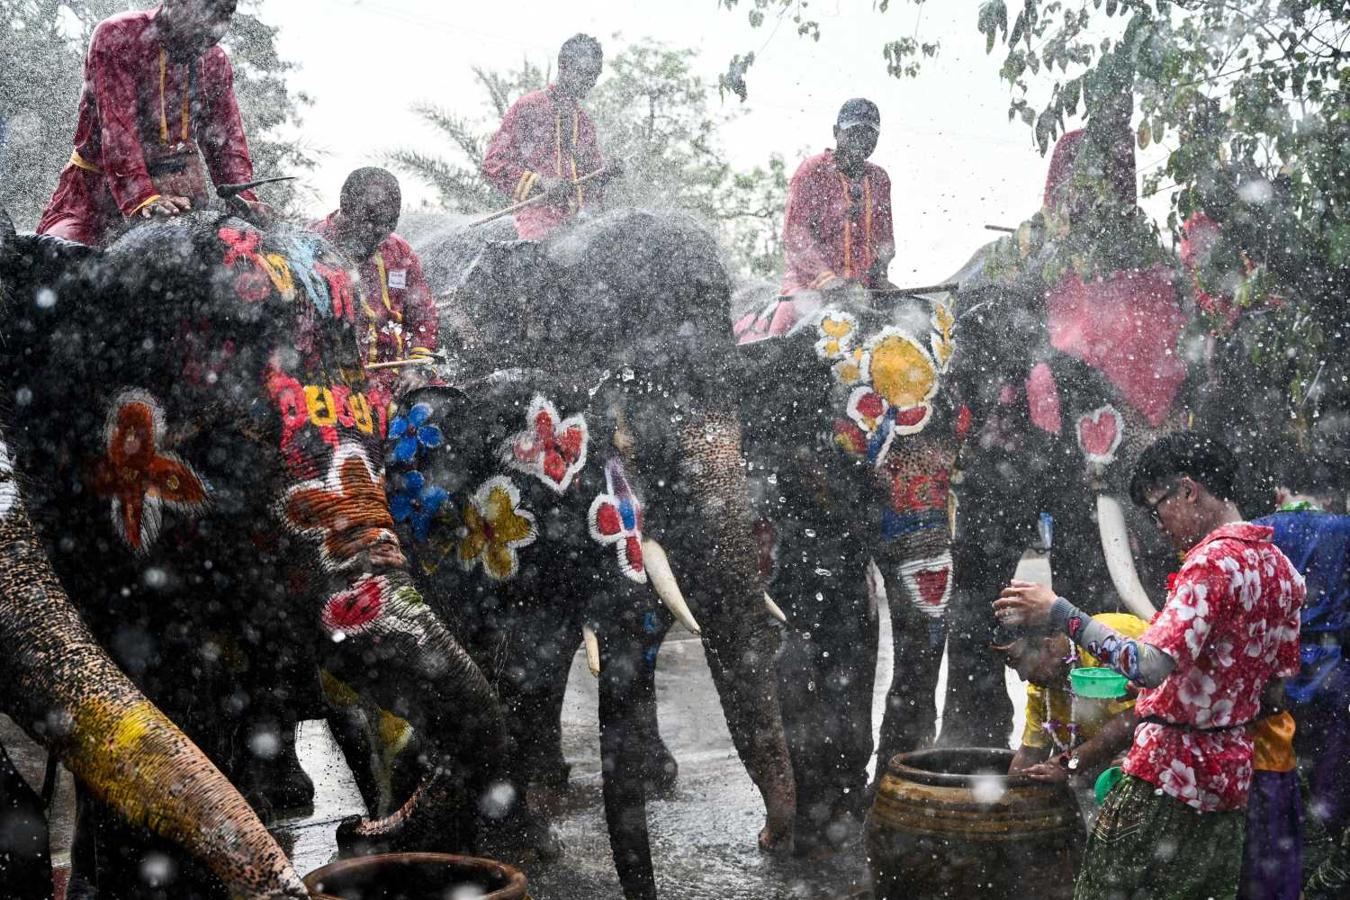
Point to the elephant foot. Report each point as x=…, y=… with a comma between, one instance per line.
x=525, y=839
x=827, y=829
x=774, y=838
x=660, y=772
x=554, y=777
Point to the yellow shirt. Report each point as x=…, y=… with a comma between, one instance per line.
x=1054, y=705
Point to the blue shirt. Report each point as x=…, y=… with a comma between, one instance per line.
x=1317, y=544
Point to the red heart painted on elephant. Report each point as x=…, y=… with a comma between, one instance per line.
x=932, y=585
x=1099, y=434
x=551, y=449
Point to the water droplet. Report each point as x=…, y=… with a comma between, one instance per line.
x=46, y=298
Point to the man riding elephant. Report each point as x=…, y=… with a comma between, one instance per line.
x=158, y=100
x=204, y=456
x=398, y=319
x=837, y=230
x=547, y=144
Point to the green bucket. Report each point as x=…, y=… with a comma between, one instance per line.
x=1097, y=683
x=1105, y=781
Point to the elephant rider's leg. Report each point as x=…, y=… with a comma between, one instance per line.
x=825, y=674
x=919, y=640
x=25, y=859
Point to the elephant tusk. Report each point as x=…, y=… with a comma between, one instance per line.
x=774, y=609
x=1119, y=559
x=592, y=649
x=664, y=583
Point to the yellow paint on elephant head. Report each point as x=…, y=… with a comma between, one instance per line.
x=836, y=332
x=902, y=372
x=852, y=368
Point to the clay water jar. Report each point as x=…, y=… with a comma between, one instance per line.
x=416, y=876
x=951, y=823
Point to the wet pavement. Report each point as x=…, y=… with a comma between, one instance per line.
x=703, y=834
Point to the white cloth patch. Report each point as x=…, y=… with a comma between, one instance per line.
x=398, y=279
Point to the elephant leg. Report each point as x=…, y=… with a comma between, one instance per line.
x=25, y=858
x=626, y=693
x=540, y=708
x=918, y=641
x=826, y=672
x=659, y=766
x=977, y=710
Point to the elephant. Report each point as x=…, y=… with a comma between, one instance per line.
x=853, y=427
x=202, y=455
x=67, y=694
x=588, y=463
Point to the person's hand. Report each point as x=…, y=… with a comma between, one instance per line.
x=555, y=190
x=1050, y=772
x=1024, y=604
x=166, y=206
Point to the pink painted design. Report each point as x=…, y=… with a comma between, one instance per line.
x=1100, y=433
x=1043, y=399
x=616, y=518
x=550, y=448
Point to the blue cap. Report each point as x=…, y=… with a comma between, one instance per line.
x=859, y=111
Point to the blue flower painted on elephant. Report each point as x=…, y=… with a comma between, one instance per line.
x=417, y=504
x=411, y=432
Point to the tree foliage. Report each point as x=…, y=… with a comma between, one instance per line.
x=42, y=44
x=651, y=110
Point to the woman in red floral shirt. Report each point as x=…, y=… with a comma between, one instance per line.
x=1208, y=666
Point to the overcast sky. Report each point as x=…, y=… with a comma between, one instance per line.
x=955, y=161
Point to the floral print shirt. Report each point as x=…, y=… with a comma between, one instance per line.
x=1230, y=625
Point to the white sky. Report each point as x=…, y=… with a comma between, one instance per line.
x=955, y=161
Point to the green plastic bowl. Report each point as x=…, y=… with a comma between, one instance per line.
x=1105, y=782
x=1097, y=683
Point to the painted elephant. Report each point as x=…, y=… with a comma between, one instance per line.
x=203, y=459
x=853, y=430
x=65, y=691
x=535, y=497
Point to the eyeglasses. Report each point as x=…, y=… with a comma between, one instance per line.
x=1153, y=507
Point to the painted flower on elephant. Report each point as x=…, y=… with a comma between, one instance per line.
x=616, y=518
x=495, y=528
x=417, y=503
x=347, y=511
x=412, y=432
x=268, y=270
x=550, y=448
x=137, y=476
x=837, y=332
x=1099, y=434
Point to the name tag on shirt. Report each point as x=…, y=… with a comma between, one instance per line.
x=398, y=279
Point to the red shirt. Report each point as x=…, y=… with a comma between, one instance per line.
x=398, y=317
x=836, y=227
x=137, y=98
x=544, y=133
x=1231, y=625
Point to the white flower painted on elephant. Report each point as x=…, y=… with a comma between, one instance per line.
x=9, y=488
x=837, y=330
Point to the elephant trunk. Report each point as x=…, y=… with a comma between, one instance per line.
x=70, y=696
x=738, y=633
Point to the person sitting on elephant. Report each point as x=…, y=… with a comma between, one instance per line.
x=158, y=97
x=838, y=228
x=1210, y=664
x=398, y=317
x=1050, y=748
x=547, y=143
